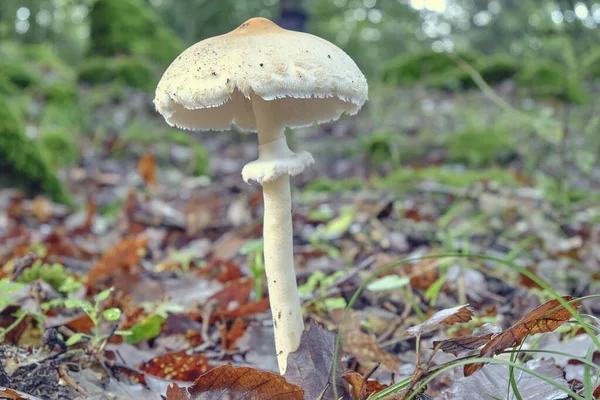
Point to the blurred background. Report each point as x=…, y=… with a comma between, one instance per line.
x=502, y=89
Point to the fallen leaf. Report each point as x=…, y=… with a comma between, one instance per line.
x=147, y=169
x=449, y=316
x=234, y=294
x=468, y=343
x=540, y=320
x=309, y=367
x=361, y=389
x=179, y=366
x=118, y=266
x=364, y=347
x=494, y=379
x=231, y=336
x=256, y=307
x=6, y=393
x=243, y=383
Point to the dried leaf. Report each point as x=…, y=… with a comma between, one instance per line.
x=309, y=367
x=468, y=343
x=448, y=316
x=234, y=294
x=245, y=310
x=119, y=265
x=227, y=382
x=364, y=346
x=540, y=320
x=6, y=393
x=178, y=366
x=361, y=389
x=147, y=169
x=494, y=379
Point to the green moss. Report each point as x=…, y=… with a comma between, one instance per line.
x=200, y=162
x=21, y=74
x=405, y=178
x=130, y=71
x=55, y=275
x=334, y=185
x=7, y=87
x=130, y=27
x=72, y=118
x=410, y=69
x=382, y=147
x=22, y=162
x=549, y=79
x=61, y=93
x=59, y=147
x=480, y=146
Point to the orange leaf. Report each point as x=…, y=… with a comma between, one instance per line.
x=241, y=383
x=147, y=169
x=118, y=267
x=234, y=292
x=448, y=316
x=542, y=319
x=178, y=366
x=245, y=310
x=364, y=346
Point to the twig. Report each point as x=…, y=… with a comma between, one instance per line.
x=63, y=372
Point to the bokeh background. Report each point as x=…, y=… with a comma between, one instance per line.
x=488, y=87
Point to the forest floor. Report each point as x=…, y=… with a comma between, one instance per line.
x=183, y=254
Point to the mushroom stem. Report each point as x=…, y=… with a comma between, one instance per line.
x=288, y=323
x=275, y=158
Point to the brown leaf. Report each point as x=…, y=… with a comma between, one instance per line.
x=596, y=393
x=236, y=332
x=89, y=218
x=360, y=388
x=462, y=344
x=364, y=346
x=245, y=310
x=119, y=266
x=449, y=316
x=178, y=366
x=227, y=382
x=147, y=169
x=309, y=367
x=542, y=319
x=236, y=293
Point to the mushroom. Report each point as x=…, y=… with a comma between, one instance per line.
x=263, y=78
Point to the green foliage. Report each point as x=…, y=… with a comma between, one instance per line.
x=62, y=93
x=320, y=283
x=382, y=147
x=59, y=147
x=55, y=275
x=404, y=178
x=327, y=185
x=21, y=74
x=93, y=311
x=130, y=27
x=146, y=330
x=6, y=288
x=480, y=146
x=551, y=79
x=22, y=162
x=413, y=68
x=130, y=71
x=253, y=250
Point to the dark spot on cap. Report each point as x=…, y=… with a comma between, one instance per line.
x=213, y=73
x=227, y=80
x=328, y=56
x=262, y=65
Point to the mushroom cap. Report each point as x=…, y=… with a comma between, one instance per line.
x=209, y=86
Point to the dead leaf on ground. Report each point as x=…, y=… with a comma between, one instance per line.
x=229, y=337
x=463, y=344
x=147, y=169
x=234, y=294
x=179, y=366
x=364, y=347
x=361, y=389
x=256, y=307
x=119, y=265
x=540, y=320
x=309, y=367
x=494, y=379
x=449, y=316
x=6, y=393
x=227, y=382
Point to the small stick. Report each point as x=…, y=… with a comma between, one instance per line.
x=63, y=372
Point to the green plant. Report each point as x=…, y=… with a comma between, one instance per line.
x=129, y=71
x=319, y=281
x=23, y=164
x=95, y=314
x=327, y=185
x=253, y=250
x=479, y=145
x=59, y=147
x=55, y=275
x=130, y=27
x=6, y=288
